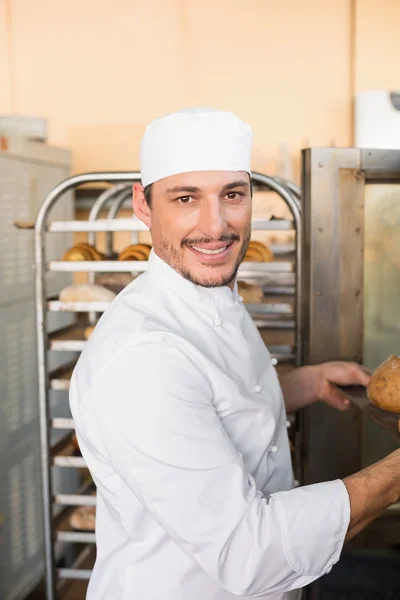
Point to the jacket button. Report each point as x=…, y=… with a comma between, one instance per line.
x=257, y=389
x=274, y=361
x=274, y=449
x=240, y=299
x=217, y=322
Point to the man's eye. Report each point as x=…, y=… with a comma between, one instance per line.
x=185, y=199
x=234, y=195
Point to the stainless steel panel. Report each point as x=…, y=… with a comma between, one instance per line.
x=332, y=309
x=18, y=375
x=380, y=164
x=381, y=295
x=21, y=547
x=381, y=273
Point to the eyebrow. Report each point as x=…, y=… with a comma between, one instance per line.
x=184, y=188
x=194, y=189
x=235, y=184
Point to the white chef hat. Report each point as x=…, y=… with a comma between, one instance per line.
x=194, y=139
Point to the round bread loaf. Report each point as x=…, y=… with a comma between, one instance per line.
x=81, y=254
x=88, y=331
x=384, y=387
x=135, y=252
x=266, y=253
x=86, y=292
x=83, y=518
x=82, y=251
x=253, y=255
x=251, y=294
x=142, y=247
x=132, y=253
x=94, y=252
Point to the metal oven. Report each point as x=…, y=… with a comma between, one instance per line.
x=350, y=303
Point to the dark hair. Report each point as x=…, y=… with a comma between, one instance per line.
x=147, y=192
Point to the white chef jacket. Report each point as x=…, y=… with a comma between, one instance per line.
x=180, y=417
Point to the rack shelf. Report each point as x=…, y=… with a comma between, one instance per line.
x=59, y=306
x=75, y=500
x=60, y=423
x=137, y=225
x=68, y=339
x=60, y=378
x=139, y=266
x=280, y=278
x=83, y=537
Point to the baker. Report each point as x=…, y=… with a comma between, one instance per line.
x=179, y=411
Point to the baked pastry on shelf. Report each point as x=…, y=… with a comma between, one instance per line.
x=88, y=331
x=135, y=252
x=86, y=292
x=384, y=388
x=83, y=518
x=82, y=251
x=251, y=293
x=258, y=252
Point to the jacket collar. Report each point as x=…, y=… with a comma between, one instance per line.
x=160, y=272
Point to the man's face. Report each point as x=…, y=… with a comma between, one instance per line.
x=201, y=224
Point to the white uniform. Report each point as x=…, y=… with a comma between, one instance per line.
x=180, y=417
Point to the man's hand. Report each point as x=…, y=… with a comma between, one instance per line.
x=339, y=373
x=317, y=383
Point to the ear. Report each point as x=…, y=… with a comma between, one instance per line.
x=140, y=206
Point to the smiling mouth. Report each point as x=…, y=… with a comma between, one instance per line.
x=207, y=251
x=214, y=253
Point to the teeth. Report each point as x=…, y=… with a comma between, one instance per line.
x=204, y=251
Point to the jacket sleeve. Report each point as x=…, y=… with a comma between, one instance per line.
x=164, y=439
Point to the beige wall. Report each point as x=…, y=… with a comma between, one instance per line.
x=377, y=45
x=5, y=60
x=100, y=70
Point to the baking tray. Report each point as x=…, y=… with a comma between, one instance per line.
x=386, y=420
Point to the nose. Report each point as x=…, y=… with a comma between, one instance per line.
x=212, y=219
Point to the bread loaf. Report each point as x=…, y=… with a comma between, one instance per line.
x=265, y=251
x=253, y=255
x=86, y=292
x=258, y=252
x=384, y=387
x=88, y=331
x=83, y=518
x=135, y=252
x=82, y=251
x=251, y=294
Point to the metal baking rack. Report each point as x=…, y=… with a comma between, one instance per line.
x=283, y=278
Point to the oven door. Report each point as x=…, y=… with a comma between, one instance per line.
x=350, y=293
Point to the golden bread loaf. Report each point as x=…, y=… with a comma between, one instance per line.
x=384, y=387
x=251, y=294
x=265, y=251
x=74, y=254
x=142, y=247
x=88, y=331
x=94, y=252
x=258, y=252
x=82, y=251
x=86, y=292
x=135, y=252
x=253, y=255
x=75, y=442
x=83, y=518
